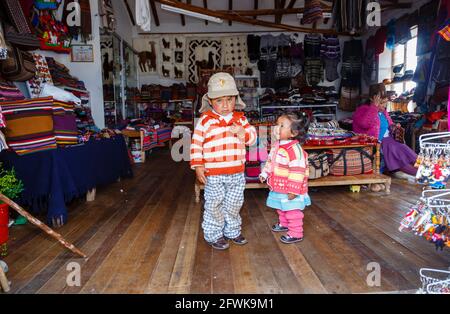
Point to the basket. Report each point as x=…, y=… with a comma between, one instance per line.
x=435, y=281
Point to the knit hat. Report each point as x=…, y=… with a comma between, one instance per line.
x=219, y=85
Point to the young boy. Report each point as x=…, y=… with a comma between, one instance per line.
x=218, y=158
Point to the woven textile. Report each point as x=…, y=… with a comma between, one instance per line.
x=17, y=16
x=163, y=135
x=235, y=52
x=29, y=125
x=64, y=123
x=352, y=161
x=8, y=92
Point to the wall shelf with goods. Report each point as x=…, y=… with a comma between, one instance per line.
x=248, y=89
x=299, y=106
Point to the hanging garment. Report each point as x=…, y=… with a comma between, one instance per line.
x=444, y=32
x=427, y=22
x=253, y=43
x=313, y=71
x=402, y=30
x=143, y=16
x=313, y=11
x=312, y=45
x=390, y=38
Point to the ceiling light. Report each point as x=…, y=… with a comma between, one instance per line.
x=191, y=13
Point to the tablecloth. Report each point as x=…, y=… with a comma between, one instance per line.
x=53, y=178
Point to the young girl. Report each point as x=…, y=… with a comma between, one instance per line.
x=286, y=172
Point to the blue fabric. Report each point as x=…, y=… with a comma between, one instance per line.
x=53, y=178
x=280, y=201
x=384, y=126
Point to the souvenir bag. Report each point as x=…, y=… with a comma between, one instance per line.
x=397, y=133
x=318, y=165
x=352, y=161
x=19, y=66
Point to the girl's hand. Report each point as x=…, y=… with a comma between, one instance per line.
x=200, y=173
x=291, y=196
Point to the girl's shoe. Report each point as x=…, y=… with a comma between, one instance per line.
x=279, y=228
x=288, y=239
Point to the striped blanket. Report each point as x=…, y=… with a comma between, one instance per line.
x=164, y=135
x=29, y=125
x=64, y=123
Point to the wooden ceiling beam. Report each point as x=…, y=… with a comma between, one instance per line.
x=130, y=14
x=245, y=20
x=291, y=4
x=266, y=11
x=154, y=12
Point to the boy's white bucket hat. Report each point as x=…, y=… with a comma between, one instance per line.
x=219, y=85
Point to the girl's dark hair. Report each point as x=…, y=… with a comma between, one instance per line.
x=299, y=124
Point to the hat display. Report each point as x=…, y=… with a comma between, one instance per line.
x=219, y=85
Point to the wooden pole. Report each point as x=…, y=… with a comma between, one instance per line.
x=245, y=20
x=4, y=281
x=41, y=225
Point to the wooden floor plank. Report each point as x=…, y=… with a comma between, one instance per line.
x=148, y=239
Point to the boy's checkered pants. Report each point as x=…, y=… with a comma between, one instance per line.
x=224, y=196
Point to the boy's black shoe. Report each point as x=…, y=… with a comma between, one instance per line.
x=239, y=240
x=288, y=240
x=220, y=244
x=279, y=228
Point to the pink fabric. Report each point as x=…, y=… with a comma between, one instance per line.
x=293, y=220
x=366, y=120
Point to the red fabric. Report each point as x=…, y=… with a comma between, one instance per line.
x=380, y=39
x=4, y=220
x=27, y=6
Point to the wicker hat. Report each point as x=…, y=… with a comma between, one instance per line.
x=219, y=85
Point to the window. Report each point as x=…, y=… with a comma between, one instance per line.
x=405, y=54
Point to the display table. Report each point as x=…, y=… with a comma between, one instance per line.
x=330, y=180
x=52, y=178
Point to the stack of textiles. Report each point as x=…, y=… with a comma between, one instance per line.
x=163, y=134
x=84, y=119
x=60, y=74
x=64, y=123
x=10, y=92
x=327, y=130
x=29, y=125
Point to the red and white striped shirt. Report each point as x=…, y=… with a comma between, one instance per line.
x=216, y=148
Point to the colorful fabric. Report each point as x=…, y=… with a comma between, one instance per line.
x=445, y=32
x=3, y=47
x=29, y=125
x=163, y=135
x=64, y=123
x=313, y=71
x=384, y=126
x=224, y=196
x=216, y=147
x=10, y=92
x=313, y=11
x=281, y=201
x=293, y=220
x=287, y=169
x=366, y=121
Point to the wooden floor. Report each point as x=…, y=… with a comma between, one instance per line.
x=147, y=239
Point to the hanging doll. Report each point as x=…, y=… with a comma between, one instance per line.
x=438, y=237
x=437, y=179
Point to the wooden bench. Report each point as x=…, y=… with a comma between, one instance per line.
x=330, y=180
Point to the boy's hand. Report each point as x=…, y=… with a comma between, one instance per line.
x=262, y=179
x=239, y=130
x=291, y=196
x=200, y=173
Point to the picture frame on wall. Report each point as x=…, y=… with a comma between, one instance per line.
x=82, y=53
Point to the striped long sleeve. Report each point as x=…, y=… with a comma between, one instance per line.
x=216, y=148
x=298, y=170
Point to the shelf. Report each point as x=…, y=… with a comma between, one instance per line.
x=393, y=83
x=243, y=77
